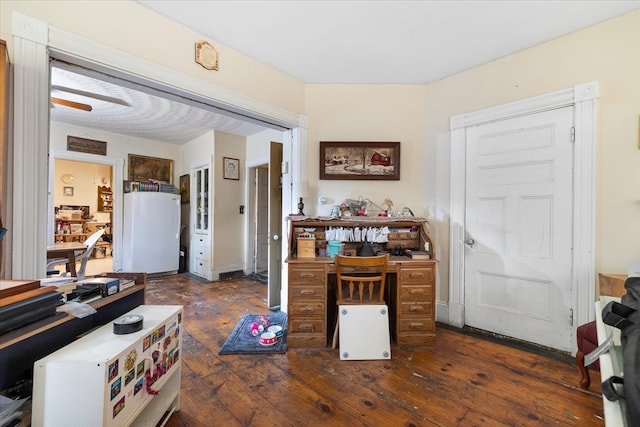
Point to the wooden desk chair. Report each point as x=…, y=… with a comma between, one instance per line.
x=360, y=281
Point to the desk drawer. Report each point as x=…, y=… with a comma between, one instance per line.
x=307, y=309
x=416, y=292
x=201, y=268
x=417, y=325
x=410, y=310
x=307, y=275
x=306, y=326
x=417, y=275
x=351, y=270
x=306, y=292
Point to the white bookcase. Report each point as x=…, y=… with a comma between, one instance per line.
x=101, y=379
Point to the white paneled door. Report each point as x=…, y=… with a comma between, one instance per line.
x=518, y=260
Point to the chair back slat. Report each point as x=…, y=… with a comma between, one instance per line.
x=364, y=275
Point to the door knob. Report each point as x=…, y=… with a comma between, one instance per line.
x=470, y=242
x=276, y=237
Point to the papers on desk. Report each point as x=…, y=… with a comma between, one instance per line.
x=634, y=270
x=57, y=281
x=358, y=234
x=78, y=309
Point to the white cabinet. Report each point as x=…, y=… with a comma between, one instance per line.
x=201, y=255
x=104, y=379
x=201, y=177
x=200, y=263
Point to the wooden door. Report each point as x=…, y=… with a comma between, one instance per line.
x=275, y=221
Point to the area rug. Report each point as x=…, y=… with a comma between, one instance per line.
x=241, y=341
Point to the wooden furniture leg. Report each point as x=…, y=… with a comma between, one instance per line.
x=335, y=334
x=71, y=265
x=585, y=379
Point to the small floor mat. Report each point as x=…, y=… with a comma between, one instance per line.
x=241, y=341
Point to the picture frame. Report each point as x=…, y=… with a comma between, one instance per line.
x=230, y=168
x=360, y=160
x=184, y=189
x=144, y=168
x=68, y=191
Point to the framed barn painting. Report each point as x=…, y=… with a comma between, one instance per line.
x=376, y=160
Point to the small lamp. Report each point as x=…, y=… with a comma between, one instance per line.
x=301, y=188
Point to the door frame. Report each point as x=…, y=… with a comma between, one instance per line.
x=117, y=175
x=35, y=41
x=584, y=99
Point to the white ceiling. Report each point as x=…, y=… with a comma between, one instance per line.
x=405, y=42
x=368, y=42
x=118, y=108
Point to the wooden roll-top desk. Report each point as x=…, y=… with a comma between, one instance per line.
x=410, y=289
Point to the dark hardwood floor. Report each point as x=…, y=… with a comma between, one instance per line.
x=463, y=380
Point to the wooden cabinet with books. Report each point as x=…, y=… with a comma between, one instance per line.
x=105, y=199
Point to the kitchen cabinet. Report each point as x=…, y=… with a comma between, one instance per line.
x=105, y=199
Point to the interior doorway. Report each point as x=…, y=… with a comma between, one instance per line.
x=261, y=238
x=80, y=211
x=265, y=223
x=584, y=99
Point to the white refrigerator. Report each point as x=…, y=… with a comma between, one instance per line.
x=151, y=232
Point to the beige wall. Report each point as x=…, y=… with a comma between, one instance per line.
x=417, y=116
x=118, y=146
x=607, y=53
x=87, y=177
x=368, y=113
x=130, y=27
x=228, y=195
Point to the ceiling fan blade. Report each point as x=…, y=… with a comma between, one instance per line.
x=72, y=104
x=91, y=95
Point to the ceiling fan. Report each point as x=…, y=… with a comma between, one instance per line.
x=80, y=105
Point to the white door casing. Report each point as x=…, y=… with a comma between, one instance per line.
x=35, y=41
x=117, y=175
x=518, y=227
x=584, y=100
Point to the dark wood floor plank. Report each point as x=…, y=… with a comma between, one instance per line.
x=462, y=380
